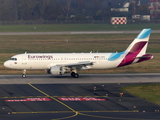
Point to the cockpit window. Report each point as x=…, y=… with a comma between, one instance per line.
x=15, y=59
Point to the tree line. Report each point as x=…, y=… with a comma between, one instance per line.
x=13, y=10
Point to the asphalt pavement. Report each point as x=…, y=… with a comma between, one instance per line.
x=73, y=101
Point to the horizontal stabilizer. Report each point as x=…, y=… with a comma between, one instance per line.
x=146, y=56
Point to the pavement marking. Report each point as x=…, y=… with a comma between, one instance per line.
x=83, y=113
x=51, y=97
x=76, y=113
x=111, y=111
x=42, y=112
x=71, y=112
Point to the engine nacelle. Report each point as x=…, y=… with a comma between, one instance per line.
x=56, y=70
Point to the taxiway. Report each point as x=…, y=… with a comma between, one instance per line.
x=84, y=78
x=92, y=96
x=74, y=32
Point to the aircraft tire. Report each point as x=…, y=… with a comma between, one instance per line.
x=23, y=76
x=76, y=75
x=73, y=74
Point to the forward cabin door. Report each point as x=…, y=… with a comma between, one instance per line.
x=24, y=59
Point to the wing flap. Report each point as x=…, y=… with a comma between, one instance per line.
x=77, y=65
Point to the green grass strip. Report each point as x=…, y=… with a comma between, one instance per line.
x=149, y=92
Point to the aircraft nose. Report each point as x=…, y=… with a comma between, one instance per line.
x=6, y=64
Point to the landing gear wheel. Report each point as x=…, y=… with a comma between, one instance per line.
x=75, y=75
x=23, y=75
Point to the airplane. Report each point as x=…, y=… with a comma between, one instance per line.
x=61, y=63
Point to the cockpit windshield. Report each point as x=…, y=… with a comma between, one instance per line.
x=14, y=59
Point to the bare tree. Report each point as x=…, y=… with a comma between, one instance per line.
x=9, y=10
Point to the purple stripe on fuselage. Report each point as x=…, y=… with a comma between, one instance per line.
x=130, y=57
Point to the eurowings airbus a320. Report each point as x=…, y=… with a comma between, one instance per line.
x=61, y=63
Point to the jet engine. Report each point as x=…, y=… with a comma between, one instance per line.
x=56, y=70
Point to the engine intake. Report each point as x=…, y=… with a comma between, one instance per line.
x=56, y=70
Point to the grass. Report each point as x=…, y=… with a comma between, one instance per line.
x=72, y=43
x=11, y=45
x=150, y=92
x=75, y=27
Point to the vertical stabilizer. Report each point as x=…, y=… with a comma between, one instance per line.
x=140, y=43
x=136, y=52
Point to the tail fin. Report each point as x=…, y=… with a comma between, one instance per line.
x=140, y=43
x=136, y=52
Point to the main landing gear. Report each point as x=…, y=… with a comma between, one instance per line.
x=24, y=74
x=75, y=75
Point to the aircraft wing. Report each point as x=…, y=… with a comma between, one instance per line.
x=78, y=66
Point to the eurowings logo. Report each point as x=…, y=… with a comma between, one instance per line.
x=40, y=56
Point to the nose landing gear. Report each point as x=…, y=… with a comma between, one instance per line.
x=24, y=74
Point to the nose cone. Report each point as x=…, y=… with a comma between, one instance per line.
x=6, y=64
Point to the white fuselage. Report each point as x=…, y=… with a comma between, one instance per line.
x=60, y=63
x=46, y=60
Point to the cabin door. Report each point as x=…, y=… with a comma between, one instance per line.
x=24, y=59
